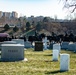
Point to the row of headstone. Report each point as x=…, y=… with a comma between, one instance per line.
x=41, y=45
x=14, y=51
x=64, y=58
x=69, y=46
x=28, y=44
x=64, y=45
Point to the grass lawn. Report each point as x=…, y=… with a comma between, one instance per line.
x=39, y=63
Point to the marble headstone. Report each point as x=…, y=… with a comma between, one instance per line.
x=9, y=42
x=64, y=45
x=57, y=47
x=19, y=41
x=27, y=44
x=64, y=62
x=33, y=44
x=71, y=47
x=75, y=48
x=51, y=45
x=12, y=52
x=55, y=55
x=45, y=43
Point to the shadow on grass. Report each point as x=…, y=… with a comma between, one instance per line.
x=49, y=55
x=48, y=61
x=37, y=51
x=55, y=72
x=74, y=52
x=51, y=61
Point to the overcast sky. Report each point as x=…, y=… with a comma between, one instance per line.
x=34, y=7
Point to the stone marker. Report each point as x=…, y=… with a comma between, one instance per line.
x=56, y=47
x=9, y=42
x=51, y=45
x=45, y=43
x=19, y=41
x=64, y=62
x=27, y=44
x=12, y=52
x=1, y=44
x=75, y=47
x=71, y=47
x=55, y=55
x=38, y=46
x=64, y=45
x=33, y=44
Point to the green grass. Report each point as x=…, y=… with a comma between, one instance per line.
x=39, y=63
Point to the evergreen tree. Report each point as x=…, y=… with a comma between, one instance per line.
x=38, y=26
x=15, y=29
x=6, y=27
x=28, y=26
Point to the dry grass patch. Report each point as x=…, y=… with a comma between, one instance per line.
x=39, y=63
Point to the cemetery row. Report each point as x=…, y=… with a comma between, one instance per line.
x=14, y=51
x=44, y=44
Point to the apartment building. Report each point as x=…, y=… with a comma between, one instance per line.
x=9, y=14
x=14, y=14
x=1, y=14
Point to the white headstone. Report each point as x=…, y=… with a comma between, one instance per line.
x=64, y=62
x=1, y=44
x=9, y=42
x=64, y=45
x=27, y=44
x=33, y=44
x=45, y=43
x=75, y=47
x=71, y=47
x=56, y=47
x=55, y=55
x=51, y=45
x=12, y=52
x=19, y=41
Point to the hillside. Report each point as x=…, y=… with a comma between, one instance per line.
x=45, y=32
x=47, y=28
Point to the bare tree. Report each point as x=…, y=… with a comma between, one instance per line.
x=70, y=4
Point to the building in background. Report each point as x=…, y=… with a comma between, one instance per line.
x=12, y=14
x=1, y=14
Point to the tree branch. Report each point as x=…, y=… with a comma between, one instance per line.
x=69, y=4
